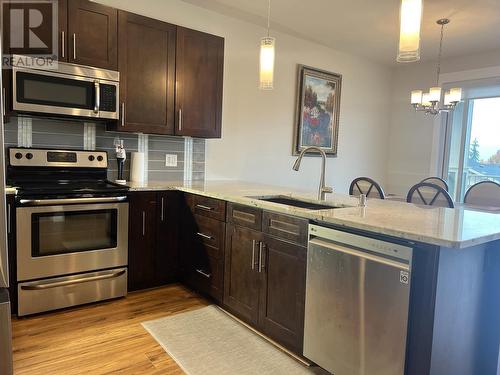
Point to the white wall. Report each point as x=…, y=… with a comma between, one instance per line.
x=258, y=126
x=413, y=136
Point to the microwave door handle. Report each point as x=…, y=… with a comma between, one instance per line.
x=97, y=97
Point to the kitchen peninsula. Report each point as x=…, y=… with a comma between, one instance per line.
x=453, y=313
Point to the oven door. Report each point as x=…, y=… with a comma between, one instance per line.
x=62, y=239
x=49, y=92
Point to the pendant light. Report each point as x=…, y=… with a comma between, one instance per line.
x=429, y=102
x=409, y=34
x=267, y=45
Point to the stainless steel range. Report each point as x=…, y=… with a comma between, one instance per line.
x=72, y=229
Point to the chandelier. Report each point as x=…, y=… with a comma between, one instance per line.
x=430, y=102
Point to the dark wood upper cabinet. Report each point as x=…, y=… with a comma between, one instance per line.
x=146, y=62
x=92, y=34
x=282, y=297
x=63, y=30
x=199, y=76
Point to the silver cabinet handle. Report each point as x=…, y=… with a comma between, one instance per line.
x=97, y=96
x=143, y=223
x=207, y=275
x=123, y=113
x=202, y=235
x=262, y=266
x=162, y=209
x=74, y=46
x=9, y=229
x=202, y=207
x=180, y=119
x=75, y=281
x=63, y=42
x=253, y=253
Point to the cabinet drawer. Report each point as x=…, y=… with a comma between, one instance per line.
x=209, y=207
x=209, y=233
x=206, y=277
x=245, y=216
x=286, y=227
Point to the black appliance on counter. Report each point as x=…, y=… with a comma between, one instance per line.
x=72, y=229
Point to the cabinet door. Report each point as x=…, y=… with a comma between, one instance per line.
x=241, y=277
x=167, y=259
x=146, y=62
x=142, y=240
x=92, y=35
x=199, y=74
x=63, y=30
x=281, y=313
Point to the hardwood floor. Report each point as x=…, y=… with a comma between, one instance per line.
x=102, y=338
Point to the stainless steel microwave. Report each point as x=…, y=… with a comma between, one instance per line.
x=70, y=90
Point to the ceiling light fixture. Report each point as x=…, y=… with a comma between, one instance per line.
x=429, y=102
x=267, y=45
x=409, y=34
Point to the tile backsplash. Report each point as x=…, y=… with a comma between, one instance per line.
x=51, y=133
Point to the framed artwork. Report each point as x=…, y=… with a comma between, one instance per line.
x=318, y=105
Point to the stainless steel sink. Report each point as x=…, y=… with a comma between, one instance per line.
x=289, y=201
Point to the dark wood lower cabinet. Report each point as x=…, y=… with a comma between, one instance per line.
x=282, y=295
x=152, y=235
x=264, y=284
x=202, y=254
x=167, y=254
x=241, y=275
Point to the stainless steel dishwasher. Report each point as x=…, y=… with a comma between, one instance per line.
x=357, y=298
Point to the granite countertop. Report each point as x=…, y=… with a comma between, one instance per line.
x=454, y=228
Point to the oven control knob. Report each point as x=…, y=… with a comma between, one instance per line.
x=18, y=155
x=100, y=158
x=91, y=157
x=29, y=156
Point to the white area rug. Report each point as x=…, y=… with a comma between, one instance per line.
x=208, y=341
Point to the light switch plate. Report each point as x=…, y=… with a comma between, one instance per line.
x=170, y=160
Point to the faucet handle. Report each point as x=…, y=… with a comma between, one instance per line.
x=327, y=189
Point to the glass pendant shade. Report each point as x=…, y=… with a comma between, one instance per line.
x=435, y=94
x=416, y=97
x=455, y=95
x=267, y=45
x=426, y=99
x=409, y=35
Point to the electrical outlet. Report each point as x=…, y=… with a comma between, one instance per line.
x=170, y=160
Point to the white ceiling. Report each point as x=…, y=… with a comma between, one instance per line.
x=370, y=28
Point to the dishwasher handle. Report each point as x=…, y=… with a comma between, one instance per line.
x=359, y=253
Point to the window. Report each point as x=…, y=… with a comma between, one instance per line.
x=472, y=152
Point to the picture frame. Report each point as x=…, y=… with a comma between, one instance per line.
x=318, y=110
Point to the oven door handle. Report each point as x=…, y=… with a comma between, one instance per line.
x=75, y=281
x=44, y=202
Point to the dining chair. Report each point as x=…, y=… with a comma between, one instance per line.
x=483, y=194
x=428, y=194
x=366, y=186
x=437, y=181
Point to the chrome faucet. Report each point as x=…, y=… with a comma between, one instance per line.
x=322, y=188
